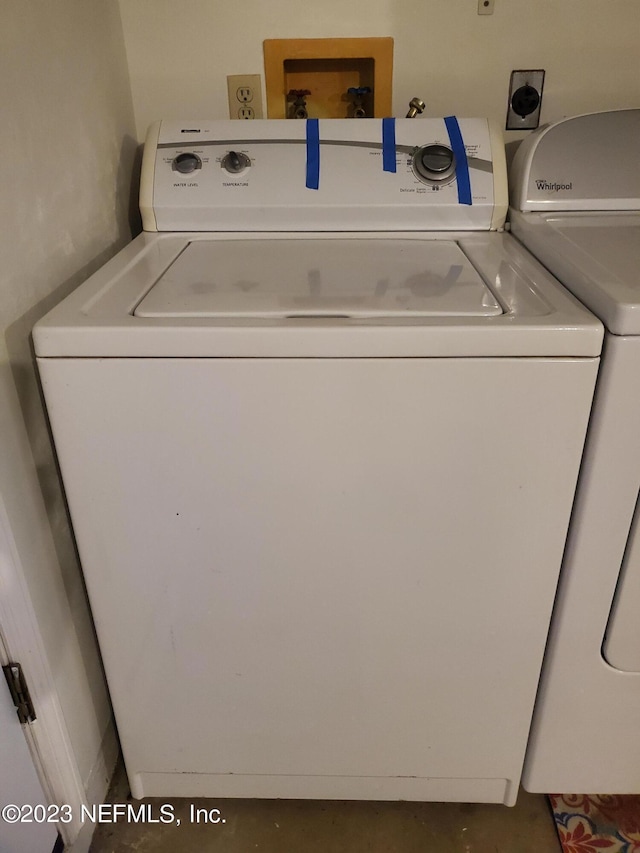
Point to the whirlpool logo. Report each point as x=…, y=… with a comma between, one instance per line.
x=552, y=187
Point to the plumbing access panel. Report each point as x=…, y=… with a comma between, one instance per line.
x=328, y=78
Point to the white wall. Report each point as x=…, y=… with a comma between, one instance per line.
x=458, y=62
x=68, y=147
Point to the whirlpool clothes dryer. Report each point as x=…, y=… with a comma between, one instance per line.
x=576, y=204
x=320, y=435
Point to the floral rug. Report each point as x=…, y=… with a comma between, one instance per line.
x=597, y=822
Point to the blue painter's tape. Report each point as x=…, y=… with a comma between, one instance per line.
x=313, y=154
x=462, y=167
x=388, y=144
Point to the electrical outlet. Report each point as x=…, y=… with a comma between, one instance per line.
x=485, y=7
x=525, y=100
x=245, y=96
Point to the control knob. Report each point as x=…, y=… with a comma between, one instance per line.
x=434, y=163
x=235, y=161
x=186, y=163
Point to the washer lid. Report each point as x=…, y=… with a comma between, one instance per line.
x=352, y=279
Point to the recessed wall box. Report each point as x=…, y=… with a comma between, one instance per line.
x=328, y=68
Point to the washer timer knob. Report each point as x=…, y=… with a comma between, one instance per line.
x=186, y=163
x=434, y=163
x=235, y=162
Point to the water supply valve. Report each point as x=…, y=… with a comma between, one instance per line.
x=416, y=107
x=297, y=99
x=357, y=94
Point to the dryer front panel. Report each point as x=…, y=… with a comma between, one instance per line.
x=621, y=647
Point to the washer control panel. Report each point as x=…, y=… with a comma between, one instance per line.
x=327, y=175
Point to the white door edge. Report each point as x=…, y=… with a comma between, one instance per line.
x=47, y=737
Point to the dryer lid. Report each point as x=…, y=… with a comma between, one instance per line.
x=321, y=277
x=596, y=255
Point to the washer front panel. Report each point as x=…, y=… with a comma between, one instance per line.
x=346, y=566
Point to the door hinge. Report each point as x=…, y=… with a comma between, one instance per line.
x=19, y=692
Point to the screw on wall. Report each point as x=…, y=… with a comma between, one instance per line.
x=485, y=7
x=525, y=100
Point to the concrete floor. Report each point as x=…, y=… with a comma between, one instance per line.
x=308, y=826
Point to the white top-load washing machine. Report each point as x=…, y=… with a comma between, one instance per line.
x=576, y=205
x=320, y=435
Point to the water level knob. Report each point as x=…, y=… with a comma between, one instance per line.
x=186, y=163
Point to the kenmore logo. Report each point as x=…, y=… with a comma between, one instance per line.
x=545, y=186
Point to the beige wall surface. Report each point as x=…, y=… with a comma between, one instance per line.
x=457, y=61
x=67, y=141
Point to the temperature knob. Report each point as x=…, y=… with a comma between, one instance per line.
x=186, y=163
x=235, y=161
x=434, y=163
